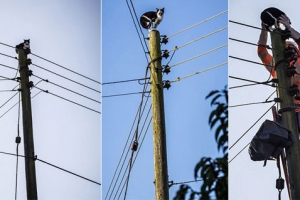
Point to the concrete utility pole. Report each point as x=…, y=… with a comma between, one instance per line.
x=27, y=126
x=289, y=120
x=158, y=119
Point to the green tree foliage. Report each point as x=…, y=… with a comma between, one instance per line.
x=213, y=172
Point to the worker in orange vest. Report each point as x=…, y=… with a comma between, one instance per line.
x=268, y=61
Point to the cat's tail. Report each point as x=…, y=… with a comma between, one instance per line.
x=145, y=22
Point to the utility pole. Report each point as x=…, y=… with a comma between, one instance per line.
x=27, y=125
x=158, y=119
x=289, y=120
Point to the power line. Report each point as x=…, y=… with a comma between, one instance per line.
x=202, y=54
x=46, y=80
x=136, y=117
x=8, y=67
x=250, y=61
x=65, y=68
x=137, y=29
x=198, y=23
x=18, y=140
x=9, y=99
x=247, y=104
x=52, y=165
x=124, y=94
x=205, y=36
x=8, y=56
x=46, y=91
x=239, y=23
x=66, y=78
x=145, y=132
x=17, y=104
x=7, y=45
x=199, y=72
x=114, y=82
x=250, y=127
x=184, y=182
x=239, y=152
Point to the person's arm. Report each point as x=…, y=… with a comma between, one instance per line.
x=263, y=36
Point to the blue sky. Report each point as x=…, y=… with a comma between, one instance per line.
x=186, y=111
x=65, y=134
x=249, y=179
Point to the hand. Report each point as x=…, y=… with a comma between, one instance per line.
x=285, y=21
x=263, y=26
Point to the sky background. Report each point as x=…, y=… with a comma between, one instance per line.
x=65, y=134
x=186, y=111
x=249, y=179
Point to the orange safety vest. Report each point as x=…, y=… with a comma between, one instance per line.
x=268, y=61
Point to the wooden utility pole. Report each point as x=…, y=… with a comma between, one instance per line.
x=27, y=126
x=158, y=119
x=289, y=120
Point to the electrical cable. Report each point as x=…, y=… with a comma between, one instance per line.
x=17, y=104
x=9, y=67
x=46, y=80
x=8, y=56
x=250, y=127
x=198, y=24
x=245, y=42
x=139, y=113
x=247, y=104
x=66, y=78
x=124, y=94
x=250, y=61
x=18, y=140
x=52, y=165
x=145, y=133
x=205, y=36
x=7, y=45
x=114, y=82
x=9, y=99
x=66, y=68
x=199, y=72
x=46, y=91
x=123, y=153
x=202, y=54
x=137, y=29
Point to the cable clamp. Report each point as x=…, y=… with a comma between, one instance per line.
x=293, y=90
x=164, y=39
x=278, y=100
x=134, y=145
x=287, y=109
x=18, y=139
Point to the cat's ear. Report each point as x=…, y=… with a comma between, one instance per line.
x=157, y=9
x=163, y=9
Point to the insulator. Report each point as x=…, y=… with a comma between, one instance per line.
x=167, y=84
x=29, y=72
x=167, y=69
x=164, y=40
x=30, y=84
x=28, y=61
x=165, y=54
